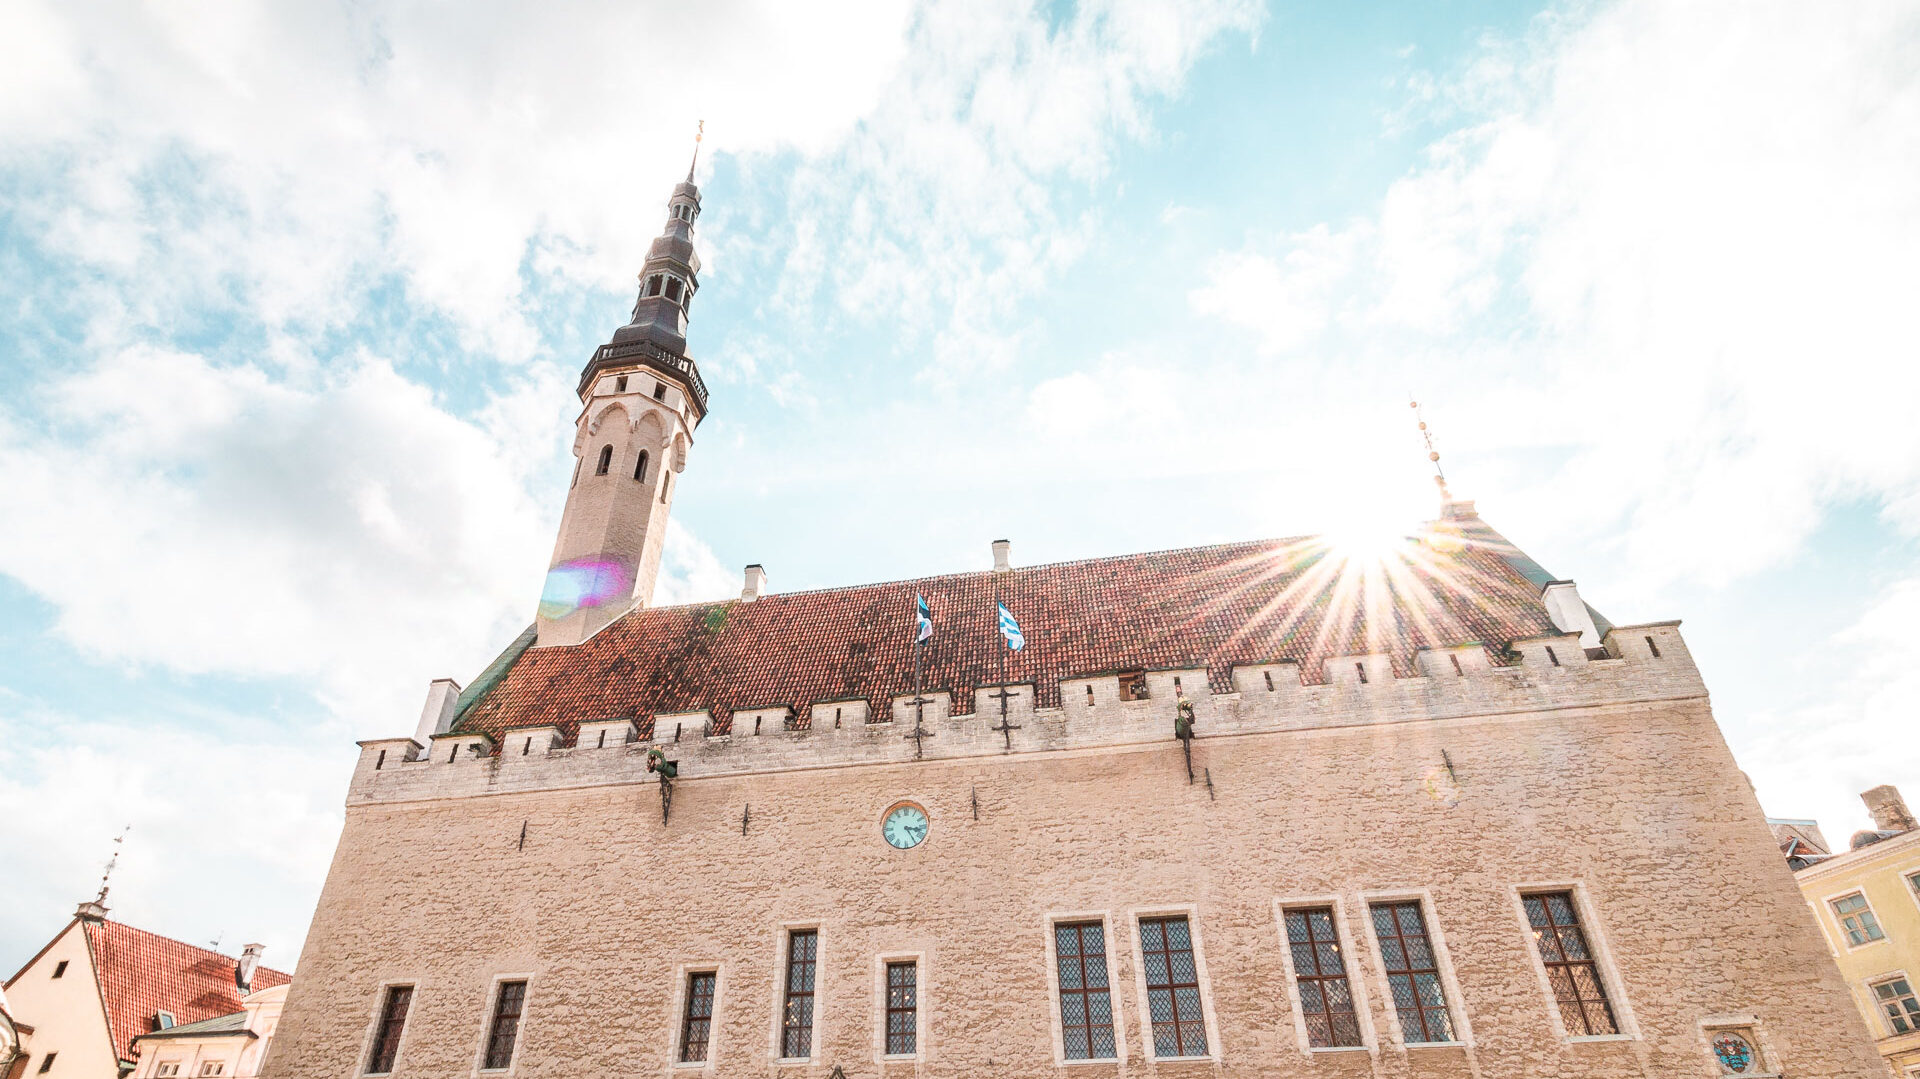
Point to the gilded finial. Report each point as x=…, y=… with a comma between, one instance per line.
x=697, y=136
x=111, y=863
x=1439, y=475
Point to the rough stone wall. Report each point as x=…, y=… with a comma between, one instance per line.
x=604, y=907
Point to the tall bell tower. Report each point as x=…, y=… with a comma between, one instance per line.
x=642, y=397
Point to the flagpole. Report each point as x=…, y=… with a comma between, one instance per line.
x=996, y=632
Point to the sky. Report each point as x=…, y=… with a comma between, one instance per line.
x=293, y=298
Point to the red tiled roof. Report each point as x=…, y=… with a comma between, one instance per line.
x=143, y=973
x=1211, y=607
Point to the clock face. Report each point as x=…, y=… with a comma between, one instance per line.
x=905, y=825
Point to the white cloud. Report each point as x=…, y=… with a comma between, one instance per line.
x=1667, y=247
x=940, y=210
x=1810, y=758
x=231, y=832
x=347, y=531
x=293, y=155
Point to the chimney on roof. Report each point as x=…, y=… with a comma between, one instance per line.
x=91, y=911
x=1888, y=809
x=249, y=962
x=1002, y=556
x=756, y=583
x=443, y=700
x=1569, y=612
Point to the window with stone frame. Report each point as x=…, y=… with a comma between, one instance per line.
x=903, y=1008
x=509, y=1001
x=1413, y=974
x=1894, y=997
x=1320, y=976
x=696, y=1024
x=1913, y=881
x=796, y=1020
x=1173, y=987
x=1857, y=920
x=1086, y=1006
x=386, y=1035
x=1571, y=971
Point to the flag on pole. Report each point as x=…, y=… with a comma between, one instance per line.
x=1011, y=630
x=923, y=622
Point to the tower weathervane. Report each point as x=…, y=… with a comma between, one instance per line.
x=1439, y=474
x=111, y=863
x=697, y=136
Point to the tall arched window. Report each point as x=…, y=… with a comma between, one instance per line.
x=606, y=460
x=640, y=469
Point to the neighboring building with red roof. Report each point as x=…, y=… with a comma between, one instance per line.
x=100, y=984
x=1270, y=808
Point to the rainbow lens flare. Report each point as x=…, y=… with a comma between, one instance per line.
x=584, y=582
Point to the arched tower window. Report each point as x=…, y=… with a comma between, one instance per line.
x=606, y=460
x=653, y=285
x=673, y=289
x=640, y=468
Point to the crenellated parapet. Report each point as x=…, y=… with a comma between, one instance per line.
x=1636, y=664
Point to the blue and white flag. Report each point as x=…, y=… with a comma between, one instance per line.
x=923, y=627
x=1010, y=629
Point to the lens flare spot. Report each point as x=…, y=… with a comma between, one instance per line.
x=584, y=582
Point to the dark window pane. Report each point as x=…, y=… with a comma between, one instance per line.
x=796, y=1020
x=393, y=1020
x=698, y=1023
x=1412, y=974
x=1086, y=1012
x=902, y=1015
x=1326, y=998
x=508, y=1002
x=1173, y=990
x=1577, y=987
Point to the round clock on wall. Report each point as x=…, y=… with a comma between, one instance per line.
x=904, y=826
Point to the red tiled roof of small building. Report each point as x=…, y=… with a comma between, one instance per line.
x=1213, y=607
x=143, y=973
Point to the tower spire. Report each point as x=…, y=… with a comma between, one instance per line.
x=642, y=397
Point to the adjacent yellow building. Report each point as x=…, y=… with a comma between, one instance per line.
x=1867, y=901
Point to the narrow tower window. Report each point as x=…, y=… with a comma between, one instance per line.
x=606, y=460
x=386, y=1037
x=698, y=1023
x=796, y=1024
x=659, y=391
x=1320, y=973
x=507, y=1006
x=653, y=285
x=673, y=289
x=903, y=1009
x=1412, y=973
x=620, y=384
x=1086, y=1010
x=1571, y=970
x=1173, y=988
x=640, y=467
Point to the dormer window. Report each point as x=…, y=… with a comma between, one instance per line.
x=163, y=1020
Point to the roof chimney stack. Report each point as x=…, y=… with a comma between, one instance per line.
x=756, y=583
x=1888, y=809
x=1002, y=556
x=443, y=700
x=249, y=962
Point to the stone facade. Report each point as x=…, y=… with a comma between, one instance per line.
x=1460, y=789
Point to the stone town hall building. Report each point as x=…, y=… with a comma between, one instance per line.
x=1436, y=818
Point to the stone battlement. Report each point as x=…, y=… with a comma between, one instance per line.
x=1637, y=664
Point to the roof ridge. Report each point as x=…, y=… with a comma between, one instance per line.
x=184, y=944
x=1271, y=541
